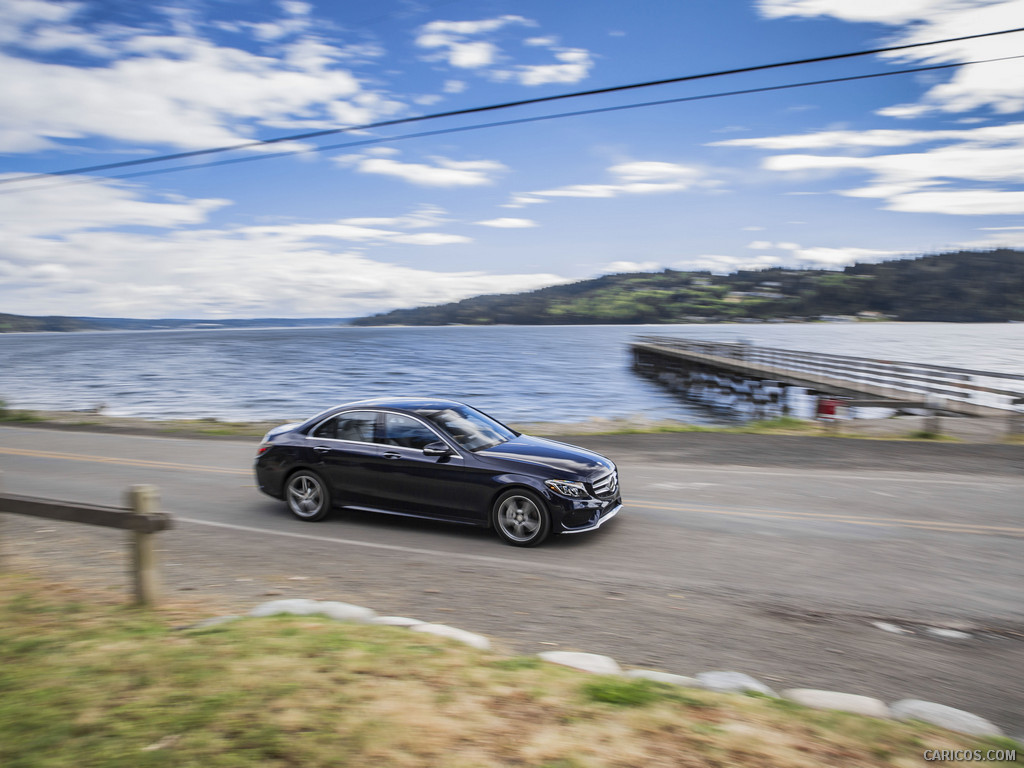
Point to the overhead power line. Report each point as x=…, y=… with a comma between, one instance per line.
x=48, y=181
x=540, y=118
x=503, y=105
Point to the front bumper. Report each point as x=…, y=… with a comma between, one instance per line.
x=577, y=523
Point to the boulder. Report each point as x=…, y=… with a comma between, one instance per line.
x=733, y=682
x=345, y=611
x=296, y=607
x=587, y=662
x=664, y=677
x=395, y=621
x=843, y=702
x=945, y=717
x=453, y=633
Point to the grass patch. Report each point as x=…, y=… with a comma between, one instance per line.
x=13, y=415
x=924, y=434
x=83, y=684
x=623, y=692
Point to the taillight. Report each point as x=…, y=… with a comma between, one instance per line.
x=263, y=448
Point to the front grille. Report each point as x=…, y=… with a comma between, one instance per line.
x=606, y=487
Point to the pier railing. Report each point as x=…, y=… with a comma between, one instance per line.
x=955, y=388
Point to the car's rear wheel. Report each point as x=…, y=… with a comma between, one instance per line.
x=307, y=496
x=521, y=518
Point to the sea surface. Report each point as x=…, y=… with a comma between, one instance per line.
x=519, y=374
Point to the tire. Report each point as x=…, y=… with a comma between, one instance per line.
x=307, y=496
x=521, y=518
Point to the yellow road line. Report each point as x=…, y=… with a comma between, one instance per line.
x=930, y=525
x=126, y=462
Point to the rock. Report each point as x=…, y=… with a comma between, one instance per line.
x=295, y=606
x=213, y=622
x=588, y=662
x=345, y=611
x=733, y=682
x=443, y=630
x=944, y=717
x=395, y=621
x=947, y=634
x=664, y=677
x=843, y=702
x=885, y=626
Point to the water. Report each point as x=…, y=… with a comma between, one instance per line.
x=520, y=374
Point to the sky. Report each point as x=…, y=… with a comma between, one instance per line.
x=373, y=219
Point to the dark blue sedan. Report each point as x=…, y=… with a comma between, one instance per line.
x=438, y=459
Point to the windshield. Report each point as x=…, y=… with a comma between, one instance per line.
x=469, y=428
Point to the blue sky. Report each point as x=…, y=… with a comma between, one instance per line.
x=821, y=176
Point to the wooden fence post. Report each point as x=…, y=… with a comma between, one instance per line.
x=144, y=499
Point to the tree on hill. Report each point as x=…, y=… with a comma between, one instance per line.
x=967, y=286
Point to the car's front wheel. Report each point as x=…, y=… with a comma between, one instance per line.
x=307, y=496
x=521, y=518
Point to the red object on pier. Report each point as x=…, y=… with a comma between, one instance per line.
x=827, y=408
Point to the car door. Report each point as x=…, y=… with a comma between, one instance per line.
x=343, y=449
x=412, y=482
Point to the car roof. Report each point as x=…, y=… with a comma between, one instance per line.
x=402, y=403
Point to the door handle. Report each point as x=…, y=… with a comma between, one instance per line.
x=391, y=455
x=321, y=449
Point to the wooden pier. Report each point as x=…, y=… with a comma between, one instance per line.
x=689, y=365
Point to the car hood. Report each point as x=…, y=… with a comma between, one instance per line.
x=561, y=459
x=281, y=430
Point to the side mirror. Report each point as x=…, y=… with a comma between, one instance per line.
x=439, y=448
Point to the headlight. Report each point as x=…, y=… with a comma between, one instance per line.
x=568, y=488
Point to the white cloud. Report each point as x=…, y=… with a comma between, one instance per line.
x=723, y=265
x=60, y=252
x=508, y=223
x=443, y=173
x=450, y=39
x=633, y=178
x=75, y=207
x=841, y=257
x=882, y=11
x=160, y=87
x=462, y=44
x=423, y=216
x=786, y=254
x=620, y=267
x=959, y=172
x=999, y=85
x=575, y=65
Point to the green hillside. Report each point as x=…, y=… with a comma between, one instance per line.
x=23, y=324
x=967, y=286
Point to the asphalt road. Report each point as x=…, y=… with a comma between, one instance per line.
x=771, y=556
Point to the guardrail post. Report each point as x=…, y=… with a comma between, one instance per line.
x=932, y=422
x=1015, y=421
x=144, y=499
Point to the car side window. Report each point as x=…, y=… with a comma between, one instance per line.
x=359, y=426
x=407, y=432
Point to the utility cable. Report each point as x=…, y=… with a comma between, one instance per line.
x=493, y=107
x=521, y=121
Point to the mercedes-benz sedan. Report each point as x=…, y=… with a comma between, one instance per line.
x=438, y=459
